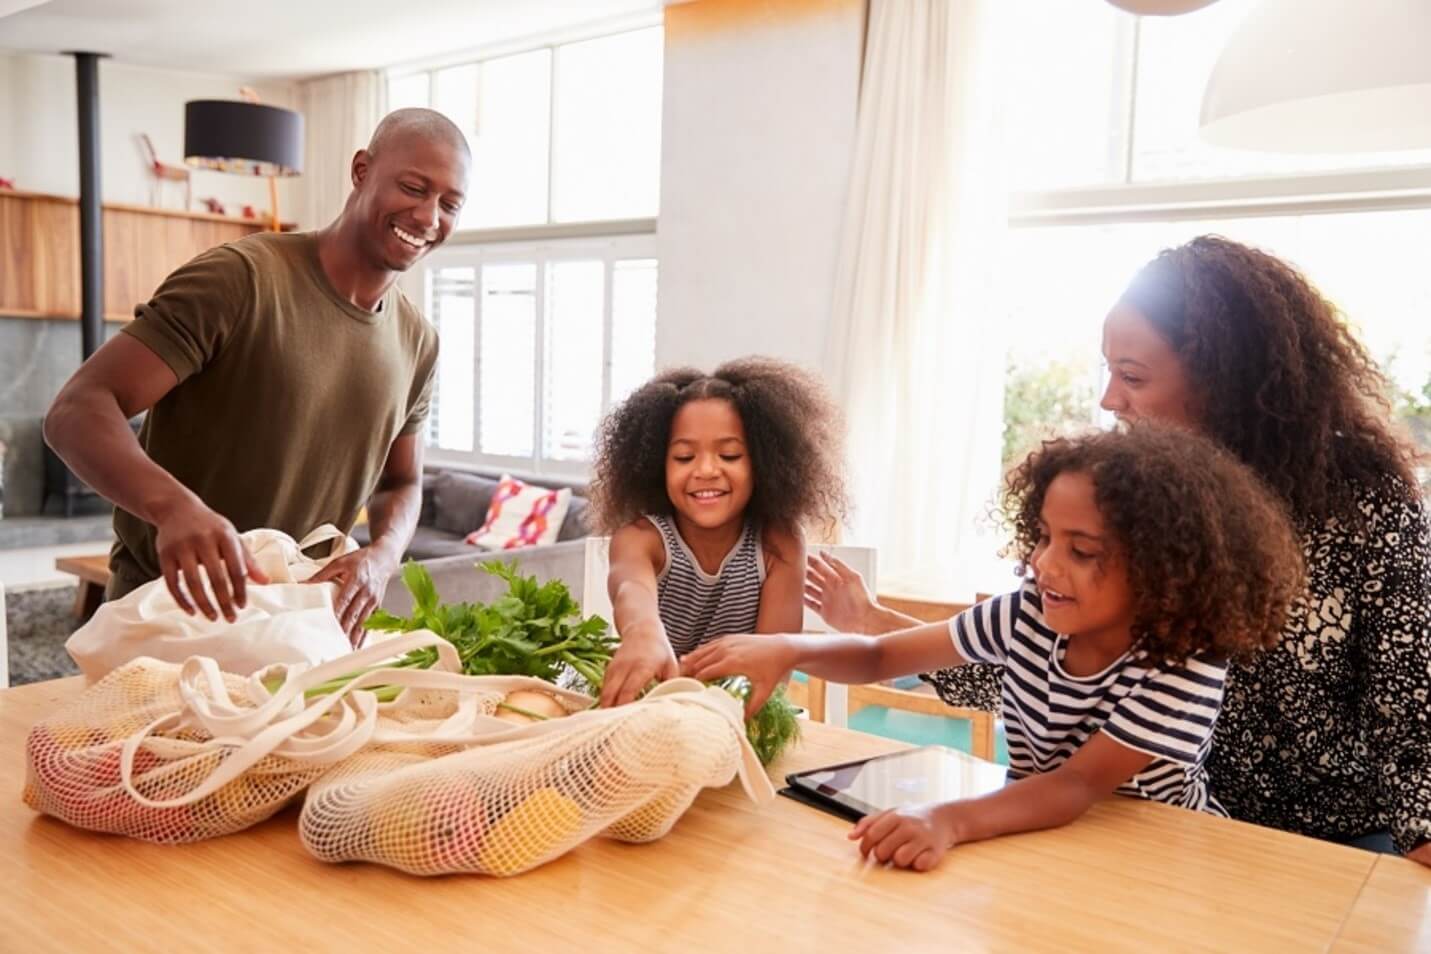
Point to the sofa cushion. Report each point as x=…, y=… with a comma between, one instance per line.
x=427, y=517
x=522, y=515
x=458, y=580
x=429, y=543
x=460, y=501
x=574, y=526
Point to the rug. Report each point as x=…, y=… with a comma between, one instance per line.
x=38, y=621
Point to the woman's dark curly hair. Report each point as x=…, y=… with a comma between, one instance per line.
x=793, y=432
x=1211, y=556
x=1278, y=377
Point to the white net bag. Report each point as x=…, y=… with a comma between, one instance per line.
x=520, y=797
x=178, y=753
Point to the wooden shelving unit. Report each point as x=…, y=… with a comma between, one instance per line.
x=39, y=252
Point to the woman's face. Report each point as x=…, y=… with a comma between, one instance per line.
x=1146, y=380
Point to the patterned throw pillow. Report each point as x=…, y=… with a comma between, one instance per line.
x=521, y=515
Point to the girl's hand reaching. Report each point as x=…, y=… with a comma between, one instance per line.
x=765, y=660
x=838, y=594
x=914, y=837
x=638, y=662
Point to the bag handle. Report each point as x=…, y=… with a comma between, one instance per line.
x=323, y=534
x=325, y=731
x=753, y=777
x=345, y=719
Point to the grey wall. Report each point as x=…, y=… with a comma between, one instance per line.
x=36, y=357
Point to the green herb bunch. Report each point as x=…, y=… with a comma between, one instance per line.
x=537, y=630
x=534, y=630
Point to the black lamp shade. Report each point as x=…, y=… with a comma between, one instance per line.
x=250, y=138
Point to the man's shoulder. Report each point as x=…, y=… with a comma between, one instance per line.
x=264, y=251
x=412, y=322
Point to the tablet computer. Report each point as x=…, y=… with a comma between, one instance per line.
x=931, y=773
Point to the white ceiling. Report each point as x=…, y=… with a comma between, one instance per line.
x=270, y=39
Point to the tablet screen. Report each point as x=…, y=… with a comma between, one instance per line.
x=929, y=774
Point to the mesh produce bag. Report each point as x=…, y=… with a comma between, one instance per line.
x=178, y=753
x=521, y=797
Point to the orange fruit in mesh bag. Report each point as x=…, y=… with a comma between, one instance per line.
x=67, y=772
x=543, y=826
x=245, y=801
x=429, y=827
x=655, y=818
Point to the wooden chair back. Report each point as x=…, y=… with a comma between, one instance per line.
x=811, y=693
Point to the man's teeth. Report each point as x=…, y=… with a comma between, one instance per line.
x=409, y=238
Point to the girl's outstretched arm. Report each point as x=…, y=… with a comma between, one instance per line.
x=781, y=604
x=917, y=837
x=767, y=661
x=645, y=654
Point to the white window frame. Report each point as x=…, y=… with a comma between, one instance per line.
x=535, y=246
x=1362, y=190
x=551, y=42
x=1128, y=201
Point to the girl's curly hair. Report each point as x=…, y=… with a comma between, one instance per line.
x=1280, y=379
x=1213, y=561
x=793, y=431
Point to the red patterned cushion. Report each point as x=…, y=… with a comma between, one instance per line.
x=521, y=515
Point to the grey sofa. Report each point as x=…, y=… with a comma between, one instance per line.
x=458, y=579
x=455, y=502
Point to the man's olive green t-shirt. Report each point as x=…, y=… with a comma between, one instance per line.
x=289, y=396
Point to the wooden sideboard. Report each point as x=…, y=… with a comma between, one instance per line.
x=39, y=252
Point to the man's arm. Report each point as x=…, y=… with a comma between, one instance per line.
x=392, y=513
x=88, y=427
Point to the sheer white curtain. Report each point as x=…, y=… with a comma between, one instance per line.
x=916, y=353
x=339, y=114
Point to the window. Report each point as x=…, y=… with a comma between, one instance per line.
x=545, y=298
x=1119, y=98
x=538, y=341
x=562, y=133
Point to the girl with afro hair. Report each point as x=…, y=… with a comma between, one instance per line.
x=706, y=483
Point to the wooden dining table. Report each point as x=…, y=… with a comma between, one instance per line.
x=732, y=876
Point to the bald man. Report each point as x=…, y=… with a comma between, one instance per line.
x=287, y=380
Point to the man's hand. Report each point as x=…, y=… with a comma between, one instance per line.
x=766, y=660
x=914, y=837
x=838, y=594
x=362, y=577
x=189, y=536
x=641, y=659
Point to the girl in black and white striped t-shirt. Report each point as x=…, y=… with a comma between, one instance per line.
x=1155, y=557
x=706, y=482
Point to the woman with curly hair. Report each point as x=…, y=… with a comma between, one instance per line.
x=706, y=482
x=1155, y=558
x=1329, y=734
